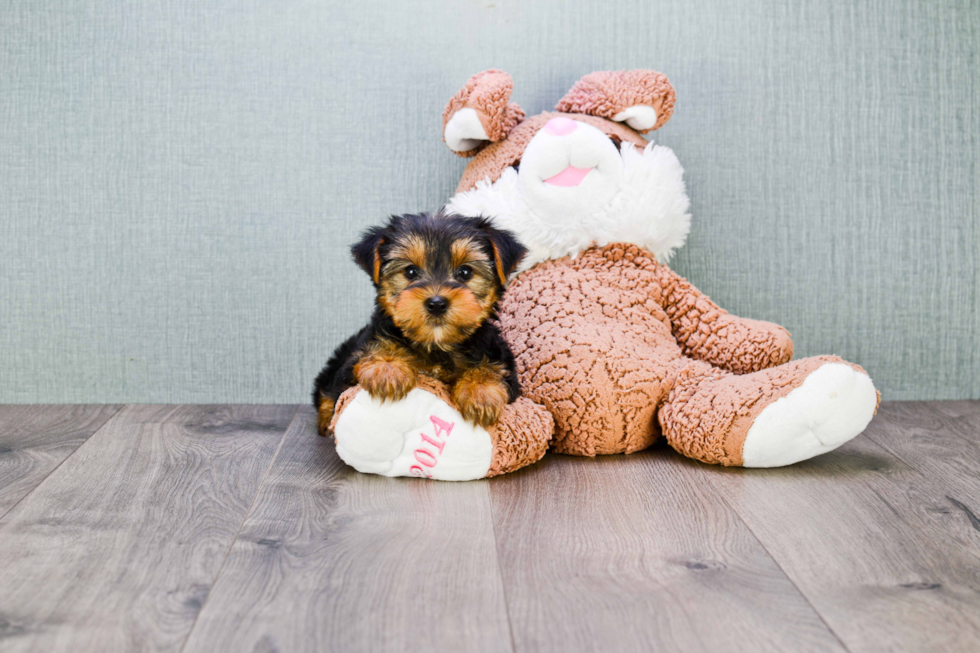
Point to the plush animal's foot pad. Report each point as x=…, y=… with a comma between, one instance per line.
x=833, y=404
x=423, y=435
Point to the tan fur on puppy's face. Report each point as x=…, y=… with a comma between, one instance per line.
x=418, y=270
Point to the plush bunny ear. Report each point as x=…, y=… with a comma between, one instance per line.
x=479, y=113
x=643, y=99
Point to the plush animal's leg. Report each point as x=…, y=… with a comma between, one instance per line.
x=424, y=435
x=769, y=418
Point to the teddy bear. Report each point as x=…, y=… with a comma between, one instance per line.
x=613, y=348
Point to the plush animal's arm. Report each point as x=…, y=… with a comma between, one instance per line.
x=709, y=333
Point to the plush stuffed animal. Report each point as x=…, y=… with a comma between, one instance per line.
x=616, y=346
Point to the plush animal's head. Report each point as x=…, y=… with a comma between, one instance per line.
x=582, y=175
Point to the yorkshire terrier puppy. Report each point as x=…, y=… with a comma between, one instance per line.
x=438, y=280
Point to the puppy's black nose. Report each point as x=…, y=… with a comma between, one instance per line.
x=436, y=305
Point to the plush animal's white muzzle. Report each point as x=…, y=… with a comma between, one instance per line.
x=569, y=171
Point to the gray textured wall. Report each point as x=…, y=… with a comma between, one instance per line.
x=179, y=181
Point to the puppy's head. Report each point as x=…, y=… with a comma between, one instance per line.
x=438, y=277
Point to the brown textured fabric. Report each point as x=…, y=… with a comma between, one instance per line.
x=486, y=93
x=520, y=437
x=594, y=346
x=606, y=93
x=492, y=160
x=602, y=340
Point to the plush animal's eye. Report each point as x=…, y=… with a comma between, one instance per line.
x=412, y=273
x=464, y=273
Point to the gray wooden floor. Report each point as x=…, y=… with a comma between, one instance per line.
x=234, y=528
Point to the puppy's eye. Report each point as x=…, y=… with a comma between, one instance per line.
x=412, y=273
x=464, y=273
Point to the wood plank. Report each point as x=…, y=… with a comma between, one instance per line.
x=870, y=542
x=942, y=441
x=634, y=553
x=964, y=411
x=333, y=560
x=117, y=549
x=35, y=439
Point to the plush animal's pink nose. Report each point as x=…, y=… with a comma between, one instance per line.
x=561, y=125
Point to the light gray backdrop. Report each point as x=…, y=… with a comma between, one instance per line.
x=179, y=181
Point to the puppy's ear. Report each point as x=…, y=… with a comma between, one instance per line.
x=507, y=250
x=367, y=251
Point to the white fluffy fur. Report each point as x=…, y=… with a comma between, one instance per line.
x=638, y=117
x=650, y=209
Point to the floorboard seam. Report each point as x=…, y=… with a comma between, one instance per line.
x=802, y=594
x=251, y=506
x=500, y=571
x=58, y=466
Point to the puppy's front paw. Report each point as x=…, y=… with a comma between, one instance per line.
x=480, y=398
x=386, y=377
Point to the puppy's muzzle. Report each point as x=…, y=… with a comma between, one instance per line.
x=436, y=305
